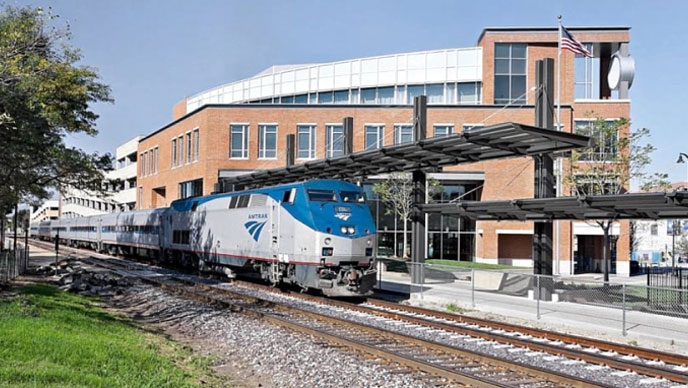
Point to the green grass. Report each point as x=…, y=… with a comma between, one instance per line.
x=470, y=264
x=49, y=338
x=455, y=309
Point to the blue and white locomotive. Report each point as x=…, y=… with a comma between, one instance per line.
x=318, y=234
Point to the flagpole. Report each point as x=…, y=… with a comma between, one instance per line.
x=557, y=226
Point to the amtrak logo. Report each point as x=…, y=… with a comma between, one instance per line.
x=343, y=216
x=254, y=228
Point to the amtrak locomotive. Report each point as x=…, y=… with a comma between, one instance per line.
x=318, y=234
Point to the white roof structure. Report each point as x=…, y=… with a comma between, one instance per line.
x=457, y=65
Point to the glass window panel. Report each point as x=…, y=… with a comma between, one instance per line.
x=374, y=135
x=313, y=98
x=435, y=93
x=301, y=99
x=501, y=89
x=341, y=97
x=368, y=96
x=306, y=141
x=518, y=50
x=468, y=93
x=518, y=66
x=443, y=130
x=518, y=88
x=451, y=93
x=287, y=100
x=414, y=91
x=501, y=50
x=335, y=141
x=267, y=142
x=325, y=97
x=501, y=66
x=403, y=134
x=385, y=95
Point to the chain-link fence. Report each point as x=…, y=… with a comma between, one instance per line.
x=526, y=295
x=13, y=263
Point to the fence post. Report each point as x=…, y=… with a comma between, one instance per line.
x=422, y=279
x=623, y=306
x=537, y=295
x=473, y=287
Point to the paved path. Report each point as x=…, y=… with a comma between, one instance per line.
x=650, y=330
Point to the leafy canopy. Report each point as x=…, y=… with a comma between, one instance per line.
x=44, y=95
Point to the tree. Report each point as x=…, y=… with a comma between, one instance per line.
x=44, y=95
x=608, y=166
x=397, y=193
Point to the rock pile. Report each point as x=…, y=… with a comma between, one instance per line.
x=73, y=277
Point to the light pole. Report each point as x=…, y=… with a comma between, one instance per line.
x=682, y=158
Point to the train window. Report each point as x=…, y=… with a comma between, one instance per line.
x=243, y=201
x=194, y=206
x=289, y=196
x=322, y=195
x=233, y=202
x=352, y=196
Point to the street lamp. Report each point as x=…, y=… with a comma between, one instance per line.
x=682, y=158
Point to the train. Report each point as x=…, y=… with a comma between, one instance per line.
x=317, y=234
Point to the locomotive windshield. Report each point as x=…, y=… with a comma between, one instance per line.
x=322, y=195
x=352, y=196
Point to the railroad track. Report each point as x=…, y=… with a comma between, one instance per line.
x=447, y=363
x=670, y=366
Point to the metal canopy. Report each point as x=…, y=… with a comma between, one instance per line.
x=622, y=206
x=487, y=143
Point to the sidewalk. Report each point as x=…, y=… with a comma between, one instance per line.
x=645, y=329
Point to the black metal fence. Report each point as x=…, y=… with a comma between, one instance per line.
x=667, y=288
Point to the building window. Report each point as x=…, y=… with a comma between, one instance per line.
x=188, y=147
x=335, y=141
x=306, y=141
x=180, y=153
x=267, y=141
x=385, y=95
x=374, y=136
x=341, y=97
x=435, y=93
x=141, y=171
x=443, y=130
x=196, y=139
x=140, y=197
x=653, y=229
x=325, y=98
x=604, y=140
x=150, y=162
x=190, y=189
x=510, y=73
x=585, y=84
x=413, y=91
x=174, y=153
x=239, y=142
x=469, y=93
x=468, y=127
x=156, y=159
x=403, y=133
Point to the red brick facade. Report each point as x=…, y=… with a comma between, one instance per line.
x=504, y=179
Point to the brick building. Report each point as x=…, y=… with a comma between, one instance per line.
x=242, y=126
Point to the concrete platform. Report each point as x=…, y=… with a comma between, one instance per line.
x=644, y=329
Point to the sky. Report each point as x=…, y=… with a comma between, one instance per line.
x=155, y=53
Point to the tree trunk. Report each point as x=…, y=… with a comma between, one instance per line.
x=15, y=228
x=405, y=255
x=606, y=252
x=2, y=230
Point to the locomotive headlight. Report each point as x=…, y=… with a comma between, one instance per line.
x=351, y=230
x=328, y=241
x=369, y=242
x=343, y=229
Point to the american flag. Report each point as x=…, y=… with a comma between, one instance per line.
x=568, y=42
